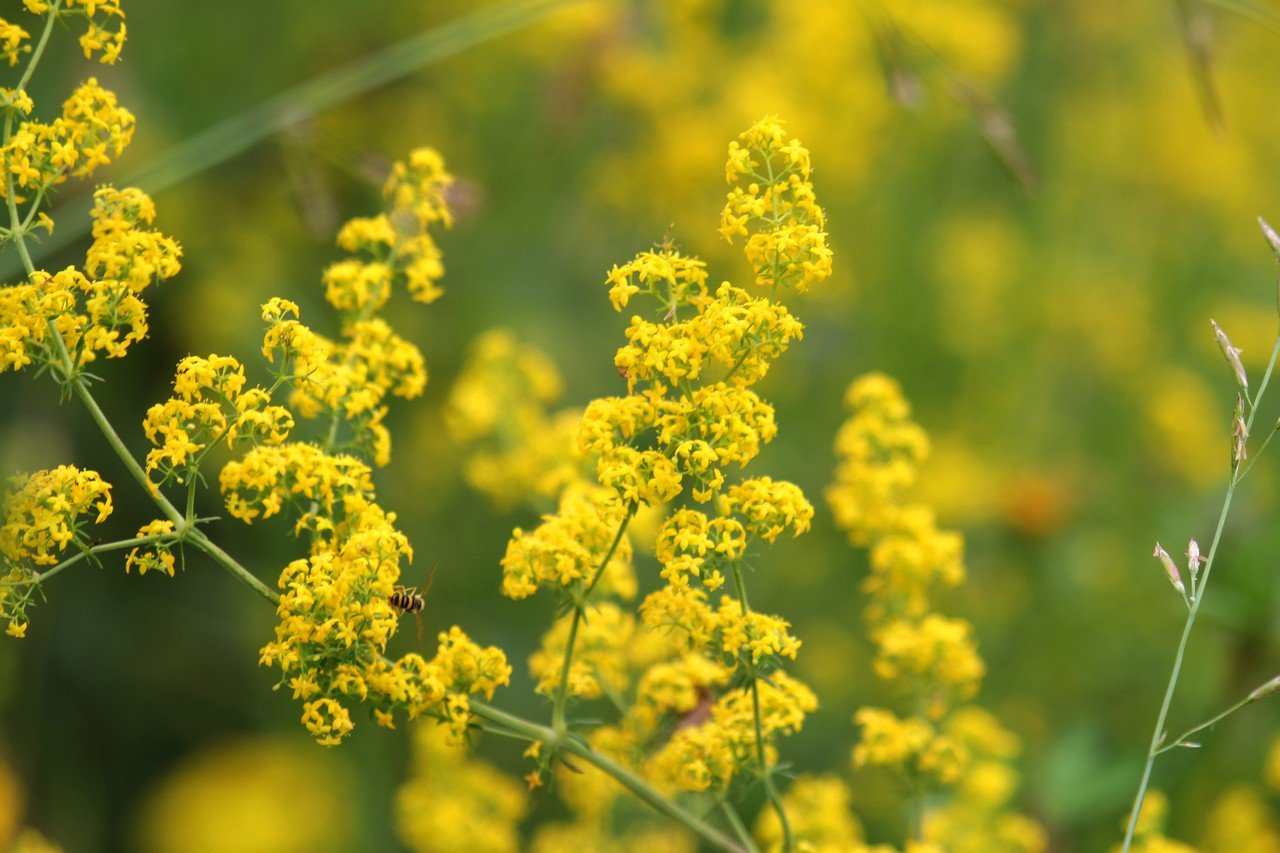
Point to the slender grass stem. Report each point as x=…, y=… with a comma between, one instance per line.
x=238, y=133
x=1181, y=739
x=1158, y=734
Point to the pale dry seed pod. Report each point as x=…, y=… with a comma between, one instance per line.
x=1239, y=433
x=1232, y=354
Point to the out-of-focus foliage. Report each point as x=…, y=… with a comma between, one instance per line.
x=1055, y=346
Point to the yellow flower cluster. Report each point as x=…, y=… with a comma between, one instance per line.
x=41, y=515
x=210, y=404
x=336, y=613
x=336, y=619
x=774, y=207
x=818, y=808
x=454, y=802
x=603, y=655
x=96, y=312
x=570, y=548
x=710, y=754
x=699, y=686
x=92, y=131
x=943, y=746
x=157, y=556
x=879, y=450
x=515, y=449
x=105, y=30
x=13, y=42
x=396, y=243
x=348, y=380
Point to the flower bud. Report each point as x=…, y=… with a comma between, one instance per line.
x=1194, y=559
x=1169, y=568
x=1265, y=690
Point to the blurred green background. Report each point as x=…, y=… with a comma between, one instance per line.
x=1053, y=337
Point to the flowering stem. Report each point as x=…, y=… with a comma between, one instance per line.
x=579, y=605
x=137, y=541
x=51, y=15
x=554, y=740
x=1158, y=734
x=766, y=772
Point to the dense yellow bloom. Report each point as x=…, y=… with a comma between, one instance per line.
x=709, y=754
x=960, y=750
x=455, y=802
x=41, y=515
x=336, y=620
x=210, y=405
x=935, y=651
x=601, y=663
x=787, y=244
x=818, y=809
x=516, y=449
x=99, y=311
x=569, y=547
x=45, y=512
x=298, y=475
x=880, y=450
x=92, y=131
x=888, y=740
x=671, y=278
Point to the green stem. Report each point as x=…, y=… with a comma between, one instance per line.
x=1212, y=721
x=137, y=541
x=562, y=687
x=50, y=16
x=1199, y=590
x=739, y=829
x=766, y=772
x=641, y=789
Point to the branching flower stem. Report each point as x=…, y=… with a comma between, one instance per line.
x=1158, y=734
x=579, y=606
x=521, y=728
x=766, y=772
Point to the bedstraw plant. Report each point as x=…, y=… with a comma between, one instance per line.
x=694, y=674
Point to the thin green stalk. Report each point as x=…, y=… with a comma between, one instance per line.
x=242, y=131
x=1209, y=723
x=1158, y=733
x=766, y=772
x=50, y=16
x=562, y=687
x=135, y=542
x=642, y=790
x=739, y=829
